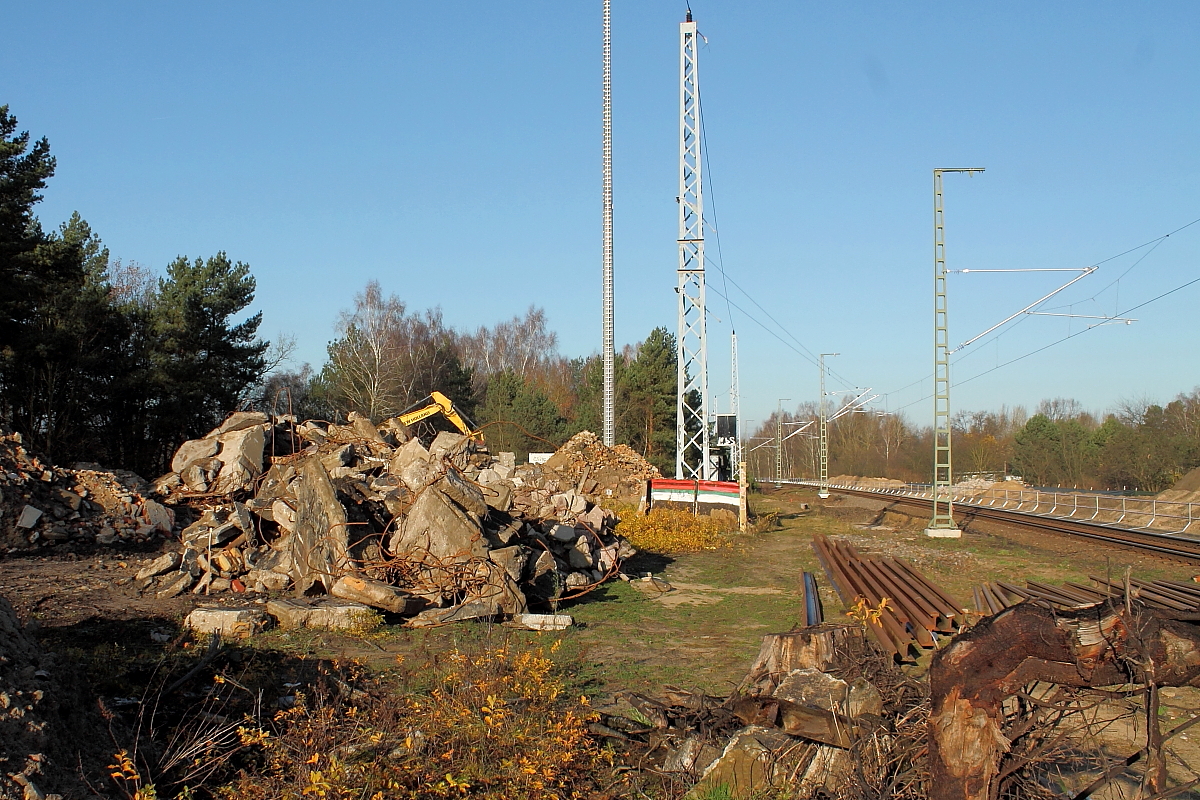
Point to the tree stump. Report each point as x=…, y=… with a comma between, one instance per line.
x=1096, y=646
x=806, y=648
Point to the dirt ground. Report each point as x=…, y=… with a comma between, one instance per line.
x=702, y=634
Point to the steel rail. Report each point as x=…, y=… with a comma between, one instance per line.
x=1164, y=544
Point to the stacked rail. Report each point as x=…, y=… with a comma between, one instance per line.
x=1179, y=598
x=903, y=610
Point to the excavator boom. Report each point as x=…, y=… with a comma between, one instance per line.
x=438, y=403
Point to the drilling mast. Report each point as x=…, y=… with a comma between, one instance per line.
x=692, y=454
x=609, y=429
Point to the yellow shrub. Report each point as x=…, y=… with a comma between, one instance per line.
x=672, y=530
x=493, y=724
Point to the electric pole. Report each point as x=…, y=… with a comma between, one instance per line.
x=942, y=524
x=823, y=491
x=691, y=402
x=779, y=442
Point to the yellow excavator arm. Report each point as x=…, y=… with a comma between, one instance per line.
x=438, y=403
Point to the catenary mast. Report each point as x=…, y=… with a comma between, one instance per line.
x=692, y=455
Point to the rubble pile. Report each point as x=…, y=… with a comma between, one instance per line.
x=24, y=708
x=820, y=710
x=874, y=482
x=42, y=505
x=351, y=518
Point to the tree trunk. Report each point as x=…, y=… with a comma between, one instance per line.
x=1090, y=647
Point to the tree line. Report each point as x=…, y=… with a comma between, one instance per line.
x=1138, y=446
x=509, y=378
x=99, y=360
x=104, y=361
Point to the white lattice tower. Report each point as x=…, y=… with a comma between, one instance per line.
x=735, y=408
x=692, y=429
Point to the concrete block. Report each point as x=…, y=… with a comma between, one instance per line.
x=229, y=622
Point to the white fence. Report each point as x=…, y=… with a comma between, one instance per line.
x=1132, y=513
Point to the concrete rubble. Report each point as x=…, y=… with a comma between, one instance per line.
x=792, y=724
x=367, y=515
x=45, y=506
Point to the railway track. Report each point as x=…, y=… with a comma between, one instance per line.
x=1169, y=545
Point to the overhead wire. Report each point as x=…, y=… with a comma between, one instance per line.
x=1155, y=242
x=807, y=354
x=1047, y=347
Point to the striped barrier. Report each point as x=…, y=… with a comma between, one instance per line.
x=701, y=497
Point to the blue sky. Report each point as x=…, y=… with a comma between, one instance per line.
x=452, y=151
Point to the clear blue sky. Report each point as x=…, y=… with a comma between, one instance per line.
x=452, y=151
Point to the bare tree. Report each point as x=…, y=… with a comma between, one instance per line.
x=366, y=362
x=520, y=345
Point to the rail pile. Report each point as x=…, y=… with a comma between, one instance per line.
x=903, y=610
x=1180, y=598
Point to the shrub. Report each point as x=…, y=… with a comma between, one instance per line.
x=673, y=530
x=488, y=724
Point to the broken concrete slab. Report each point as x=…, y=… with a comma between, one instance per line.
x=564, y=533
x=325, y=614
x=449, y=445
x=158, y=516
x=373, y=593
x=320, y=549
x=414, y=467
x=363, y=427
x=438, y=528
x=498, y=496
x=267, y=580
x=747, y=765
x=498, y=589
x=175, y=586
x=513, y=559
x=580, y=554
x=192, y=451
x=28, y=517
x=241, y=457
x=464, y=493
x=541, y=622
x=459, y=613
x=164, y=563
x=230, y=622
x=237, y=421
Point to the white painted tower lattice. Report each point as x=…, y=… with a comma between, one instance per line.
x=692, y=454
x=735, y=408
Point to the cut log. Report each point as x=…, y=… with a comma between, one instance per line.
x=1084, y=647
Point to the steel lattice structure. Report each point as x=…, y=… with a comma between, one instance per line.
x=692, y=454
x=942, y=523
x=823, y=432
x=735, y=408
